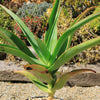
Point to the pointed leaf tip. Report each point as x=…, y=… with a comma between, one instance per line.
x=80, y=71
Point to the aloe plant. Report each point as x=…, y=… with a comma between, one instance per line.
x=52, y=52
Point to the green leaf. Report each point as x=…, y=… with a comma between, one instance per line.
x=51, y=20
x=34, y=80
x=5, y=37
x=17, y=52
x=68, y=54
x=52, y=39
x=61, y=80
x=40, y=72
x=70, y=31
x=63, y=48
x=26, y=31
x=15, y=41
x=44, y=50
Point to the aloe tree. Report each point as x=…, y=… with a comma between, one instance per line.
x=52, y=52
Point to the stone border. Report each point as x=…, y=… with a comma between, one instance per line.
x=84, y=79
x=11, y=76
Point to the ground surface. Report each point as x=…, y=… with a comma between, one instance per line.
x=19, y=91
x=23, y=91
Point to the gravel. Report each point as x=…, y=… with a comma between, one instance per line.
x=11, y=65
x=19, y=91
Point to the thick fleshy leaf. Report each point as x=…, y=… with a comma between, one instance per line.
x=44, y=51
x=63, y=48
x=40, y=72
x=52, y=39
x=68, y=54
x=61, y=80
x=34, y=80
x=51, y=20
x=70, y=31
x=26, y=31
x=5, y=37
x=15, y=41
x=52, y=43
x=17, y=52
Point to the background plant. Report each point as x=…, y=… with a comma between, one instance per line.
x=36, y=24
x=33, y=9
x=20, y=1
x=5, y=22
x=33, y=16
x=95, y=25
x=90, y=56
x=52, y=52
x=78, y=6
x=12, y=5
x=36, y=1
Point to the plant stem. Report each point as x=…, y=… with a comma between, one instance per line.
x=51, y=96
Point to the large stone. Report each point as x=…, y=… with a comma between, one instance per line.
x=85, y=79
x=11, y=76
